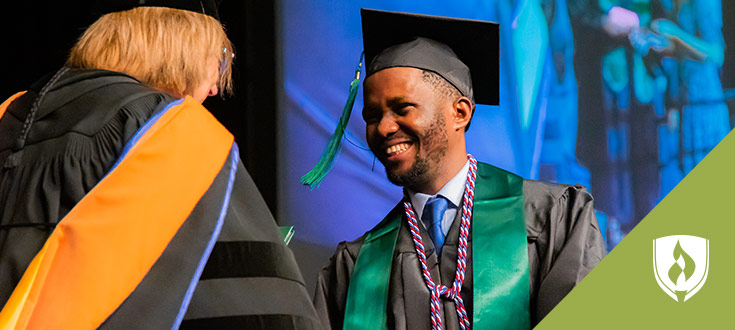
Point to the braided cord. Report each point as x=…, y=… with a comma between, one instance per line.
x=17, y=149
x=437, y=291
x=20, y=143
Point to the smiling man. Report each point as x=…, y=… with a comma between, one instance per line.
x=410, y=114
x=468, y=245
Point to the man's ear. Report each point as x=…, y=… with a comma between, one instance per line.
x=462, y=113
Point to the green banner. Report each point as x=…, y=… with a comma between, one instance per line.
x=675, y=270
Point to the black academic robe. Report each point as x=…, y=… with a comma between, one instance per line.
x=250, y=280
x=564, y=244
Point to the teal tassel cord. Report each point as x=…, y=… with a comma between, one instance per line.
x=314, y=177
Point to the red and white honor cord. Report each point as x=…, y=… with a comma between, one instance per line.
x=438, y=290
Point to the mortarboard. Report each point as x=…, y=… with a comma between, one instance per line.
x=464, y=52
x=208, y=7
x=451, y=47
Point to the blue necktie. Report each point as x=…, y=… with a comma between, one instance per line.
x=433, y=215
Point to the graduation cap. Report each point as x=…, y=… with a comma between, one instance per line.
x=208, y=7
x=464, y=52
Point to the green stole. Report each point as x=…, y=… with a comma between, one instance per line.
x=500, y=286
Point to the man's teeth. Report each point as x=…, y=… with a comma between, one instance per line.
x=397, y=149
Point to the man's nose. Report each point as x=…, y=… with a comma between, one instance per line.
x=387, y=126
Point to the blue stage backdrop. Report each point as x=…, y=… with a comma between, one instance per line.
x=636, y=136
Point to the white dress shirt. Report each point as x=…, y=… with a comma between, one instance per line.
x=453, y=191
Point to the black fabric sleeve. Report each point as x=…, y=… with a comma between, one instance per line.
x=251, y=278
x=564, y=246
x=330, y=297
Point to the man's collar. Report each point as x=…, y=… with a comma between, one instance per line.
x=452, y=191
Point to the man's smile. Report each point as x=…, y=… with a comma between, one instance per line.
x=397, y=149
x=394, y=151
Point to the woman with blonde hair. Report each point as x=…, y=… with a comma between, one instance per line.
x=122, y=199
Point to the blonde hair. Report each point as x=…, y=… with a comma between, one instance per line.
x=168, y=49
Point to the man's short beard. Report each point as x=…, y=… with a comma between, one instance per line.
x=416, y=175
x=419, y=174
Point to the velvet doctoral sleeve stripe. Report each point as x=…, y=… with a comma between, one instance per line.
x=251, y=276
x=272, y=321
x=250, y=259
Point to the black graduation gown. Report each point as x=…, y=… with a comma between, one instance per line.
x=251, y=279
x=564, y=244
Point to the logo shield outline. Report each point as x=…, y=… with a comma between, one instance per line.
x=696, y=249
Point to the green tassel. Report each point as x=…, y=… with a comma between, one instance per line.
x=314, y=177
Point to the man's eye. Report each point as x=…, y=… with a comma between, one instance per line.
x=370, y=118
x=403, y=108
